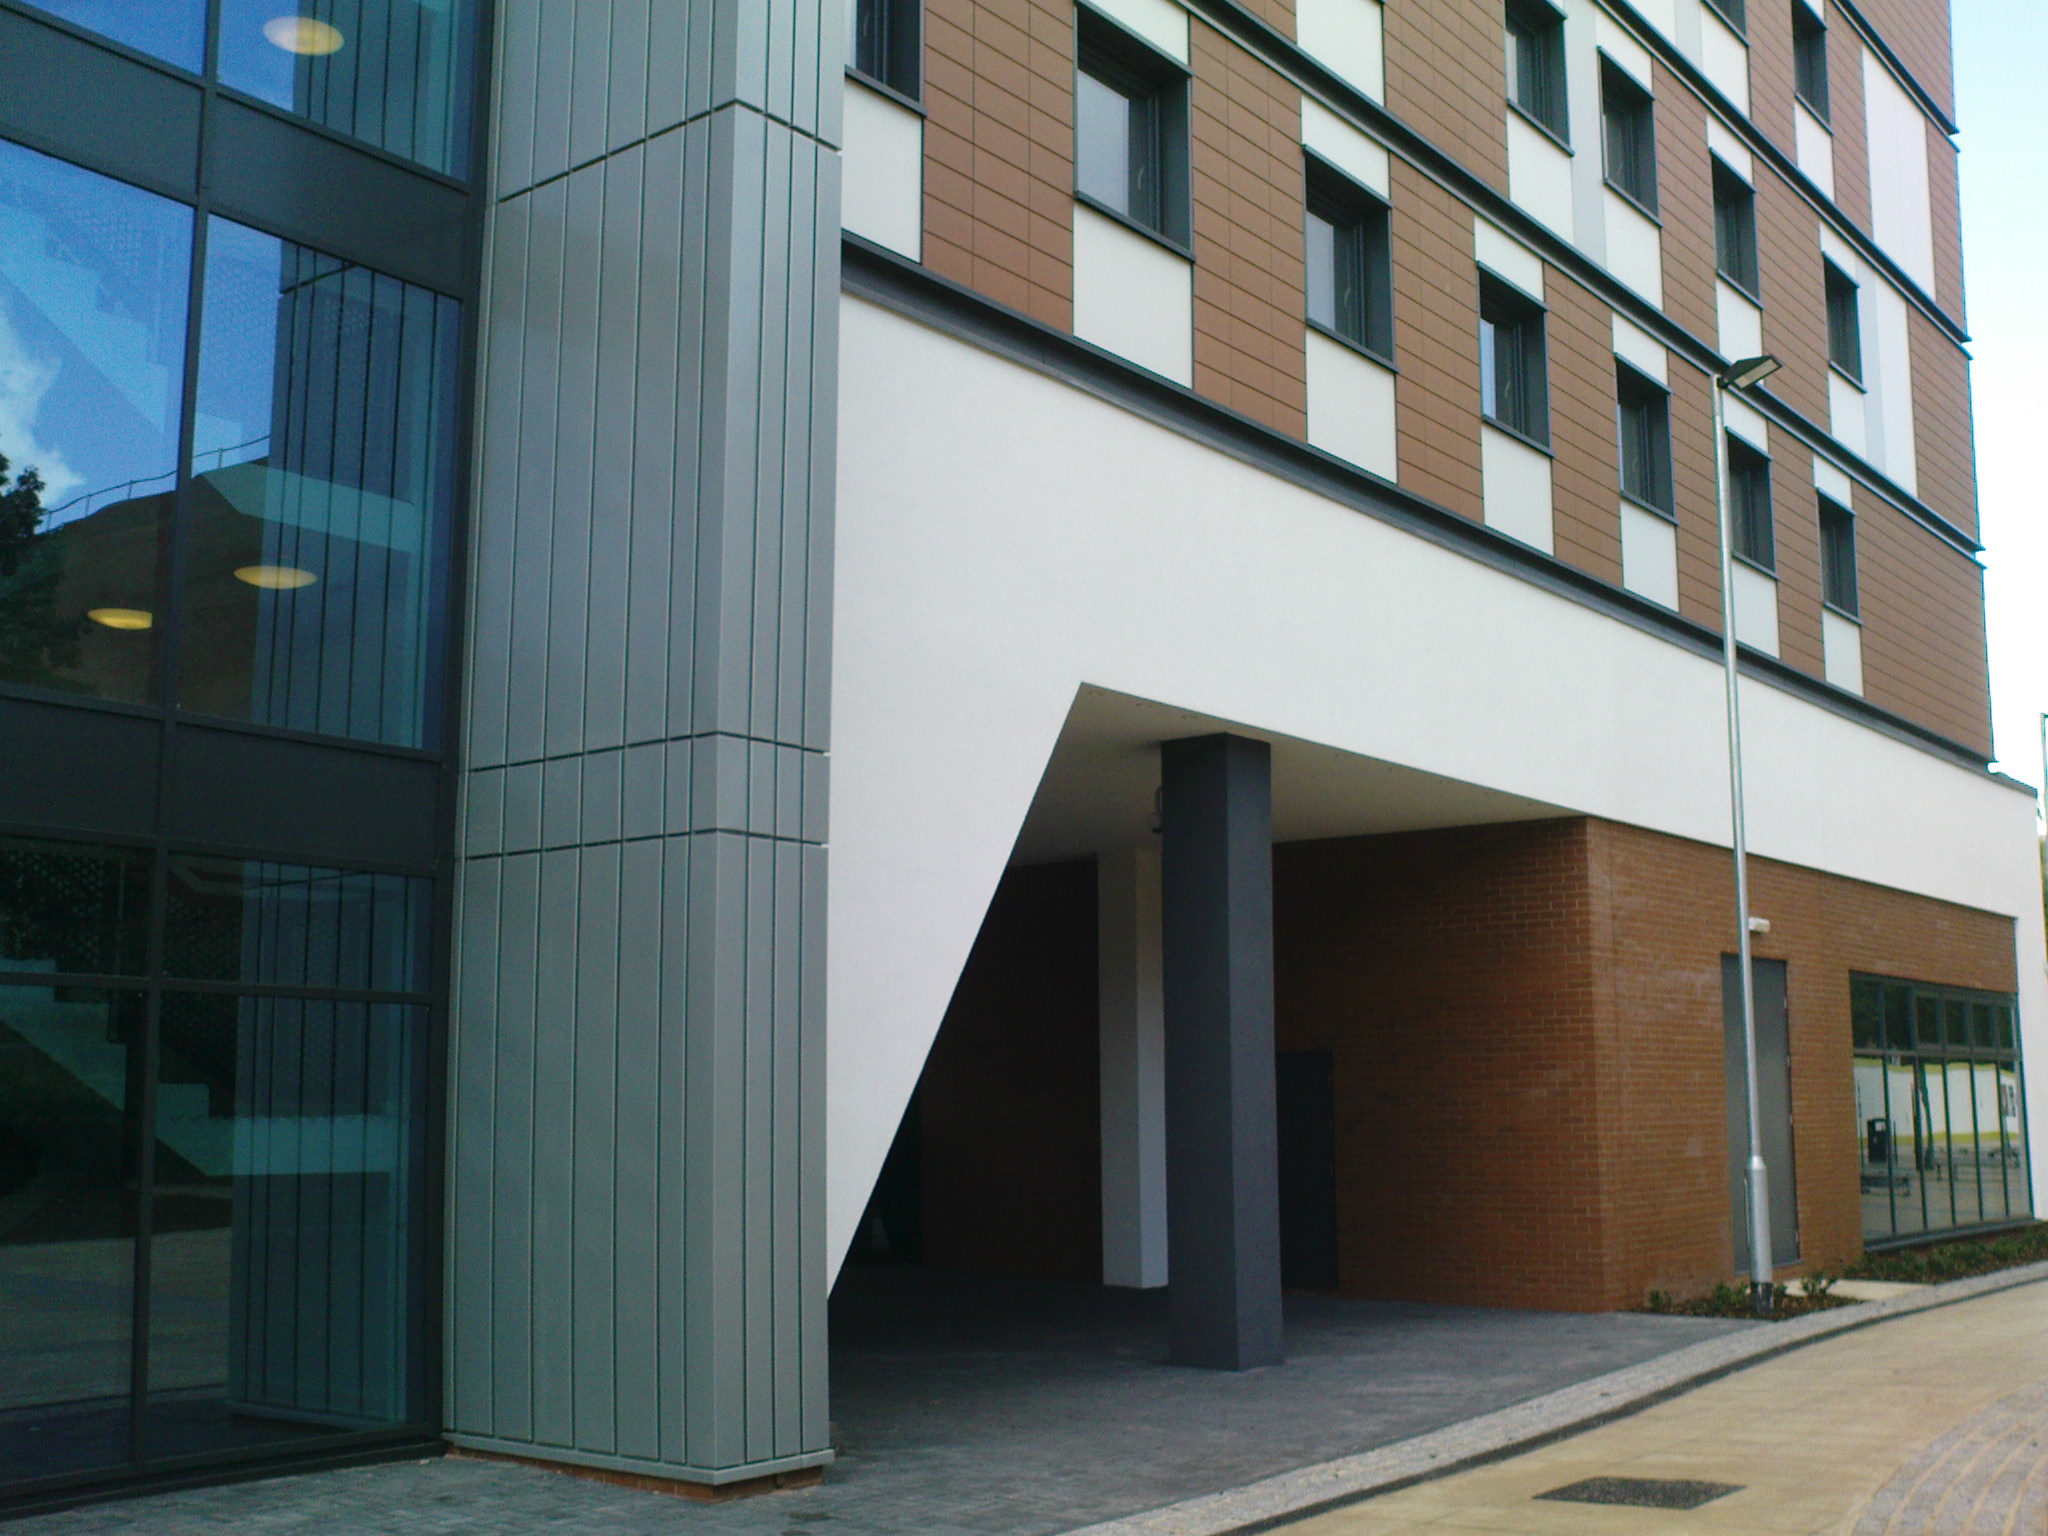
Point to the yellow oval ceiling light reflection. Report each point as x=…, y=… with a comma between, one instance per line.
x=275, y=578
x=303, y=34
x=121, y=618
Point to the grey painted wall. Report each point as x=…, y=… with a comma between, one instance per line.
x=636, y=1237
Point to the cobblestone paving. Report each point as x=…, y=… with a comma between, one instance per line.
x=992, y=1408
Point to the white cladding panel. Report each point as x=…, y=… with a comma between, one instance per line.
x=1888, y=375
x=1641, y=351
x=1756, y=608
x=881, y=171
x=1739, y=321
x=1814, y=148
x=1900, y=218
x=1635, y=248
x=1336, y=141
x=1841, y=640
x=1516, y=487
x=1161, y=23
x=1133, y=297
x=983, y=576
x=1539, y=175
x=1507, y=258
x=1847, y=412
x=1351, y=406
x=1724, y=59
x=1649, y=555
x=1346, y=36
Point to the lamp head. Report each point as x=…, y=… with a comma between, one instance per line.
x=1746, y=371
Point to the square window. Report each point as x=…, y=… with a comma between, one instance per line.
x=1350, y=261
x=1838, y=556
x=1845, y=334
x=1513, y=388
x=1535, y=43
x=1130, y=130
x=1749, y=499
x=1643, y=415
x=1735, y=230
x=1810, y=60
x=884, y=39
x=1628, y=120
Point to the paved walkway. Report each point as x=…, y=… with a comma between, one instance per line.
x=1932, y=1424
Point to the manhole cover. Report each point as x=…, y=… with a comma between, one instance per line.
x=1642, y=1492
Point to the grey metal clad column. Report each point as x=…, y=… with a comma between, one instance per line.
x=636, y=1243
x=1222, y=1166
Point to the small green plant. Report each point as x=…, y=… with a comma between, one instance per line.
x=1660, y=1301
x=1820, y=1286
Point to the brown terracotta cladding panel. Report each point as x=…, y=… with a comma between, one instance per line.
x=1685, y=197
x=1525, y=1025
x=1585, y=476
x=1665, y=1189
x=1795, y=529
x=1845, y=117
x=1944, y=450
x=1768, y=27
x=1436, y=342
x=1247, y=182
x=1277, y=14
x=999, y=175
x=1795, y=322
x=1923, y=625
x=1009, y=1103
x=1693, y=484
x=1446, y=74
x=1944, y=198
x=1917, y=31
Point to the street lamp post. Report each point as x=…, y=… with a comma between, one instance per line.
x=1741, y=375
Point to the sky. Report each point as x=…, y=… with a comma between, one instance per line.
x=2002, y=110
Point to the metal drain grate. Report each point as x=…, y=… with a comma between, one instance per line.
x=1642, y=1492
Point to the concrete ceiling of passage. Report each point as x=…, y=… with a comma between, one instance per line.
x=1098, y=789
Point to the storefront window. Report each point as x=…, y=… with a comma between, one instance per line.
x=93, y=292
x=322, y=494
x=1938, y=1108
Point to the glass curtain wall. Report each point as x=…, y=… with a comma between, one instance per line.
x=394, y=74
x=1938, y=1108
x=211, y=1108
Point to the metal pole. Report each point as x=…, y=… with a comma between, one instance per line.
x=1761, y=1292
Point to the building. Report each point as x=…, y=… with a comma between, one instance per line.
x=555, y=707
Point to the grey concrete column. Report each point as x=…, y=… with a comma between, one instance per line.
x=1222, y=1166
x=636, y=1236
x=1131, y=1026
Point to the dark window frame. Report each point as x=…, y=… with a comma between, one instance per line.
x=1511, y=334
x=1810, y=60
x=1363, y=280
x=1735, y=246
x=1536, y=81
x=1628, y=135
x=1752, y=532
x=1838, y=583
x=1642, y=410
x=1156, y=87
x=885, y=46
x=1845, y=322
x=1734, y=12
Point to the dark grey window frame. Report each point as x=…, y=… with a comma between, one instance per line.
x=1157, y=86
x=1838, y=584
x=1642, y=410
x=1364, y=305
x=1521, y=393
x=885, y=46
x=1734, y=12
x=1628, y=132
x=1536, y=84
x=1735, y=249
x=1845, y=322
x=1752, y=531
x=1810, y=60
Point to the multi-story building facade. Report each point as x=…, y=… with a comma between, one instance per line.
x=650, y=648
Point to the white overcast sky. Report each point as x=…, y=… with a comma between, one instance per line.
x=2002, y=109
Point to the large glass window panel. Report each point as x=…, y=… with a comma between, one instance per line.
x=171, y=30
x=316, y=568
x=73, y=907
x=289, y=925
x=281, y=1264
x=393, y=73
x=69, y=1092
x=94, y=280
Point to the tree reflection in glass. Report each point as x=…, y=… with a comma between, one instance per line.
x=93, y=279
